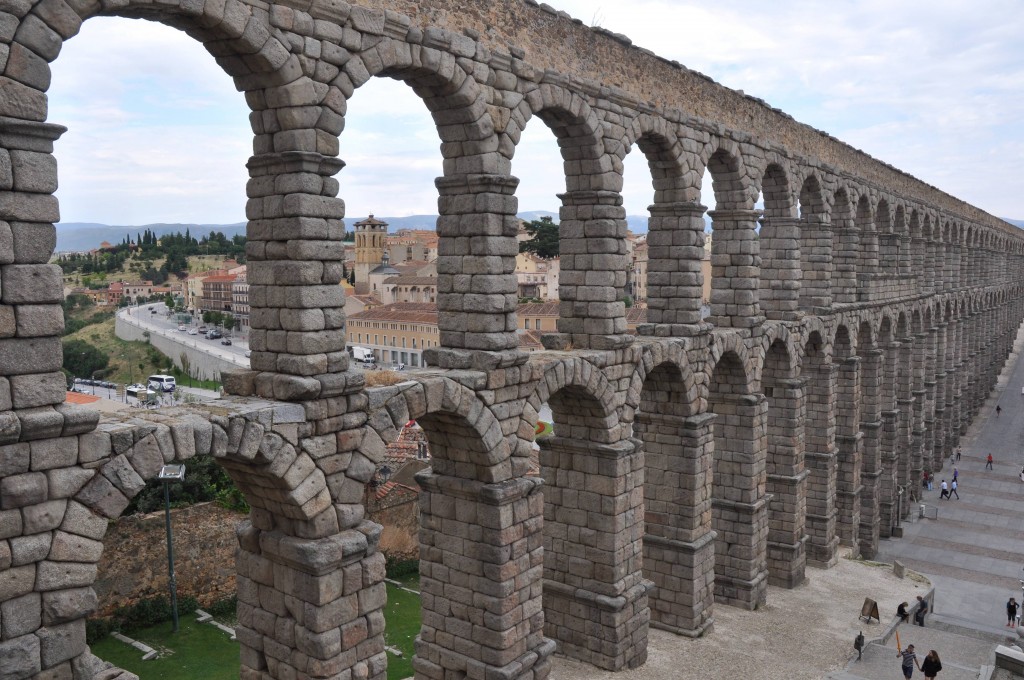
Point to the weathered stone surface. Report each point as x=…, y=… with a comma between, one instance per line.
x=44, y=516
x=21, y=657
x=17, y=491
x=54, y=453
x=20, y=616
x=61, y=642
x=31, y=284
x=39, y=320
x=60, y=606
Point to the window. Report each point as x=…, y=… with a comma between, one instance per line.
x=403, y=341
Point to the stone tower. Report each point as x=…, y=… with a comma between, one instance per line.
x=370, y=235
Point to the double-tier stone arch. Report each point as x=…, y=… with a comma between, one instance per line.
x=816, y=240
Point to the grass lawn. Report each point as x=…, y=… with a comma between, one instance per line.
x=198, y=650
x=201, y=651
x=402, y=615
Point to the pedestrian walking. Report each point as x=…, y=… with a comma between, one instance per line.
x=952, y=490
x=909, y=661
x=943, y=490
x=959, y=450
x=956, y=473
x=1011, y=612
x=922, y=609
x=988, y=462
x=931, y=665
x=1022, y=474
x=999, y=409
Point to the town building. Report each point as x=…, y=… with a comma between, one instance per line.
x=240, y=298
x=396, y=333
x=218, y=293
x=537, y=277
x=370, y=235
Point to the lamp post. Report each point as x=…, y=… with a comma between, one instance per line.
x=171, y=473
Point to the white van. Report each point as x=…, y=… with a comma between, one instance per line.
x=161, y=383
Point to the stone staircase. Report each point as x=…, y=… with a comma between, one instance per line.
x=966, y=653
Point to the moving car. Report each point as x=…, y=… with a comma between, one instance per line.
x=193, y=331
x=225, y=341
x=182, y=328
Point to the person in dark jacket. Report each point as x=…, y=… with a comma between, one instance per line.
x=902, y=612
x=1011, y=612
x=931, y=665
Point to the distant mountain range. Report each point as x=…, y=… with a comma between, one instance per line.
x=78, y=236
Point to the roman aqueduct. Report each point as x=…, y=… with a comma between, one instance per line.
x=699, y=463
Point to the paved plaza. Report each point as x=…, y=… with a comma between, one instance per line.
x=974, y=551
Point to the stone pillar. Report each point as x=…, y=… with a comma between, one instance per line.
x=477, y=291
x=302, y=601
x=595, y=596
x=481, y=556
x=905, y=405
x=740, y=505
x=907, y=246
x=735, y=269
x=678, y=547
x=820, y=435
x=849, y=448
x=871, y=458
x=592, y=282
x=930, y=264
x=780, y=271
x=942, y=449
x=787, y=484
x=675, y=241
x=890, y=256
x=844, y=273
x=815, y=263
x=31, y=319
x=889, y=479
x=296, y=257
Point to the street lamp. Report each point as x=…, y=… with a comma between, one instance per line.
x=171, y=473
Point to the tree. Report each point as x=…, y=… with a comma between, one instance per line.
x=82, y=359
x=229, y=321
x=544, y=238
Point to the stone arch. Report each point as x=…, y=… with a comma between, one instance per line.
x=735, y=258
x=587, y=464
x=820, y=454
x=295, y=501
x=785, y=471
x=675, y=235
x=678, y=554
x=816, y=245
x=470, y=484
x=779, y=238
x=739, y=508
x=845, y=248
x=592, y=282
x=469, y=148
x=868, y=263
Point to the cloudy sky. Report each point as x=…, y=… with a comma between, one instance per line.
x=157, y=132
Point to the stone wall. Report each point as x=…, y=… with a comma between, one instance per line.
x=134, y=561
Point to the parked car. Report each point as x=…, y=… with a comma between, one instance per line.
x=214, y=335
x=161, y=383
x=193, y=331
x=182, y=328
x=202, y=329
x=225, y=341
x=152, y=311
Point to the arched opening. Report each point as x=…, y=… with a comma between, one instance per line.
x=786, y=472
x=816, y=242
x=739, y=507
x=845, y=250
x=595, y=597
x=735, y=256
x=592, y=230
x=779, y=238
x=678, y=555
x=868, y=261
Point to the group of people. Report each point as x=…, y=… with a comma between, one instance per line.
x=931, y=664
